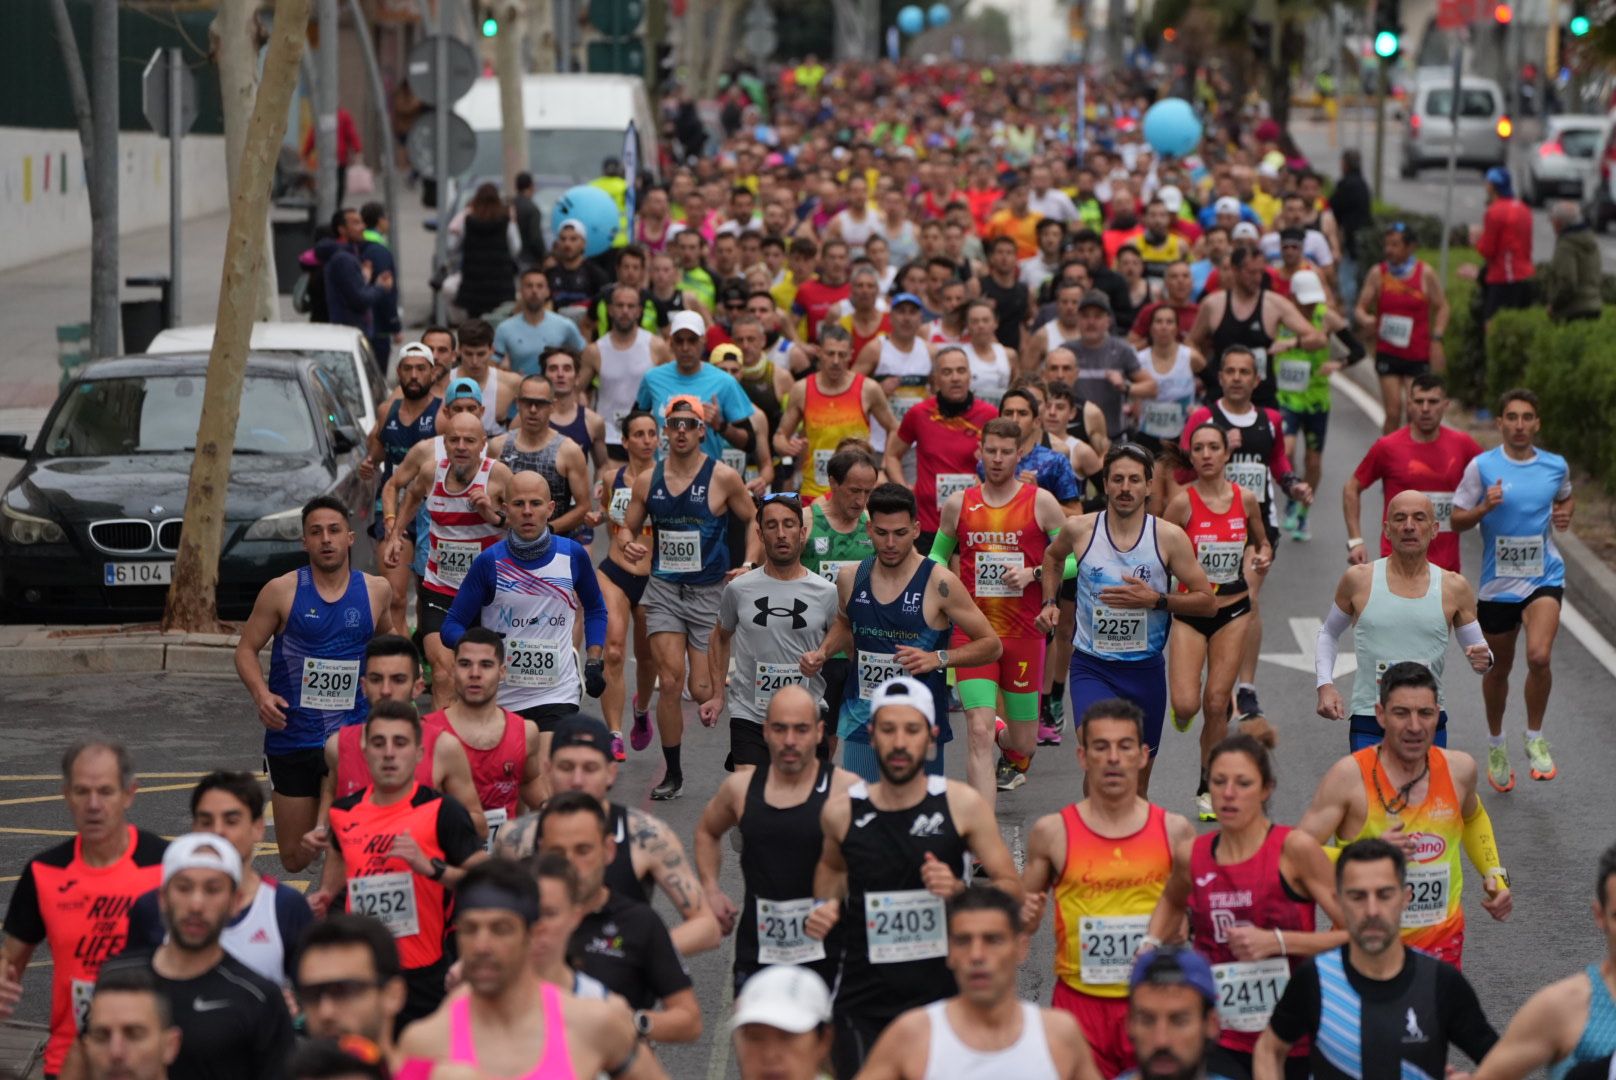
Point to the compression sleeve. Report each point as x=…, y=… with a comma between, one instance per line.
x=1479, y=842
x=1069, y=571
x=1324, y=649
x=587, y=586
x=474, y=593
x=942, y=547
x=1470, y=634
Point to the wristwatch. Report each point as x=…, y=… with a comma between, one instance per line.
x=642, y=1023
x=1038, y=573
x=438, y=868
x=1161, y=602
x=942, y=658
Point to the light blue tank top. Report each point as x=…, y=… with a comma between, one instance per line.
x=1599, y=1033
x=1394, y=628
x=1121, y=634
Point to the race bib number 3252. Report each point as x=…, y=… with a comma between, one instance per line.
x=388, y=898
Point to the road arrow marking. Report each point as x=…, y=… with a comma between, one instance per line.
x=1306, y=632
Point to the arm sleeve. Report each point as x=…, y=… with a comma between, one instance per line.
x=1297, y=1013
x=1324, y=647
x=942, y=546
x=588, y=589
x=455, y=835
x=1470, y=491
x=1279, y=462
x=1467, y=1025
x=1350, y=342
x=665, y=972
x=475, y=592
x=24, y=921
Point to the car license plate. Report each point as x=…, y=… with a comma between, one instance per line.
x=138, y=573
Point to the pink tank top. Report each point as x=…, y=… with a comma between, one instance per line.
x=556, y=1064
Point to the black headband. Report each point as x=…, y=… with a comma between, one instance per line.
x=486, y=895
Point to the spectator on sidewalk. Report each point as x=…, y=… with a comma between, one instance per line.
x=377, y=250
x=1504, y=239
x=1350, y=202
x=1571, y=286
x=352, y=287
x=487, y=254
x=348, y=150
x=529, y=223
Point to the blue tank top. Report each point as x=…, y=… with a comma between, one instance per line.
x=317, y=661
x=878, y=630
x=690, y=546
x=578, y=432
x=1518, y=555
x=1121, y=634
x=397, y=437
x=1599, y=1033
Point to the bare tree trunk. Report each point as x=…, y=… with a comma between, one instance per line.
x=508, y=67
x=235, y=48
x=192, y=599
x=541, y=38
x=656, y=36
x=104, y=179
x=729, y=11
x=693, y=44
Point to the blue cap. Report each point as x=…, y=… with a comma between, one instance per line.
x=1172, y=965
x=908, y=298
x=464, y=388
x=1498, y=177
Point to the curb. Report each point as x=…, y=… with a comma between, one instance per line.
x=121, y=658
x=1590, y=583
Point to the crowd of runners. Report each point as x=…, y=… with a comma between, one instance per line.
x=899, y=420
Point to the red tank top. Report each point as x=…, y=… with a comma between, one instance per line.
x=1249, y=893
x=354, y=775
x=1220, y=541
x=1404, y=330
x=498, y=773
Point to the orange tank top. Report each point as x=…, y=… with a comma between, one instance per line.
x=827, y=419
x=1103, y=901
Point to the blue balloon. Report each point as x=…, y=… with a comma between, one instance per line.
x=593, y=208
x=1172, y=128
x=911, y=20
x=939, y=14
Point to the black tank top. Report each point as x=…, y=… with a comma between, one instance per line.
x=779, y=851
x=620, y=871
x=1248, y=331
x=884, y=850
x=1256, y=446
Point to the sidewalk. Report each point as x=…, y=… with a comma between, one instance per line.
x=136, y=649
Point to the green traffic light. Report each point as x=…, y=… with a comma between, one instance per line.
x=1579, y=25
x=1385, y=44
x=490, y=26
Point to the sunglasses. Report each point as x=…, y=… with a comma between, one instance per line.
x=535, y=402
x=788, y=498
x=338, y=990
x=684, y=423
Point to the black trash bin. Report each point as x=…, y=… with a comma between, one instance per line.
x=292, y=228
x=144, y=319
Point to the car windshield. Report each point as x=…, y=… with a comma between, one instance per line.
x=576, y=153
x=158, y=414
x=1579, y=142
x=344, y=373
x=1472, y=103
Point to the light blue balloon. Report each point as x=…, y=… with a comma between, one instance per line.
x=1172, y=128
x=594, y=209
x=939, y=14
x=911, y=20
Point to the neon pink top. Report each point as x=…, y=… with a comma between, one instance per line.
x=556, y=1064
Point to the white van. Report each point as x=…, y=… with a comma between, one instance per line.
x=574, y=122
x=1484, y=127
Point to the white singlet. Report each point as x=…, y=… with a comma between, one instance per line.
x=1028, y=1058
x=620, y=373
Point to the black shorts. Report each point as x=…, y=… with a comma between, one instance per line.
x=296, y=775
x=746, y=745
x=431, y=609
x=632, y=585
x=1398, y=365
x=423, y=992
x=548, y=717
x=1207, y=625
x=1506, y=294
x=1068, y=591
x=1314, y=426
x=1504, y=616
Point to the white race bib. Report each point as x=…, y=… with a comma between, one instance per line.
x=782, y=932
x=905, y=925
x=1442, y=504
x=454, y=559
x=950, y=482
x=1518, y=556
x=617, y=509
x=389, y=898
x=1251, y=476
x=1163, y=419
x=906, y=398
x=1248, y=992
x=1294, y=375
x=1106, y=947
x=993, y=571
x=328, y=684
x=1428, y=894
x=534, y=665
x=769, y=679
x=734, y=458
x=678, y=551
x=822, y=467
x=1221, y=559
x=82, y=990
x=875, y=669
x=1119, y=630
x=1397, y=330
x=832, y=571
x=495, y=818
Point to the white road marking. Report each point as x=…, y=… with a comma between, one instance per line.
x=718, y=1059
x=1306, y=631
x=1572, y=619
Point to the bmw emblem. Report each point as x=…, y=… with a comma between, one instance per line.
x=157, y=509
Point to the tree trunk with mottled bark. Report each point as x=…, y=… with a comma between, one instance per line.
x=234, y=35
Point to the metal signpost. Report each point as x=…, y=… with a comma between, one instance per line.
x=168, y=100
x=631, y=174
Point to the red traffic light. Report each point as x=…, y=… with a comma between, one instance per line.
x=1503, y=14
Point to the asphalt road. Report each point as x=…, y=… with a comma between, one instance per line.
x=180, y=726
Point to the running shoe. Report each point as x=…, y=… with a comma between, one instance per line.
x=1008, y=777
x=1537, y=752
x=1203, y=807
x=1245, y=704
x=617, y=747
x=1499, y=773
x=1048, y=734
x=671, y=788
x=1300, y=531
x=639, y=736
x=1181, y=724
x=1293, y=516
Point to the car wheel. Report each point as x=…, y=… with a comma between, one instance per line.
x=1409, y=169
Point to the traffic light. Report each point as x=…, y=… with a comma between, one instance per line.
x=490, y=25
x=1579, y=24
x=1503, y=14
x=1388, y=29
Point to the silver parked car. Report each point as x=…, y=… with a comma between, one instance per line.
x=1484, y=128
x=1564, y=162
